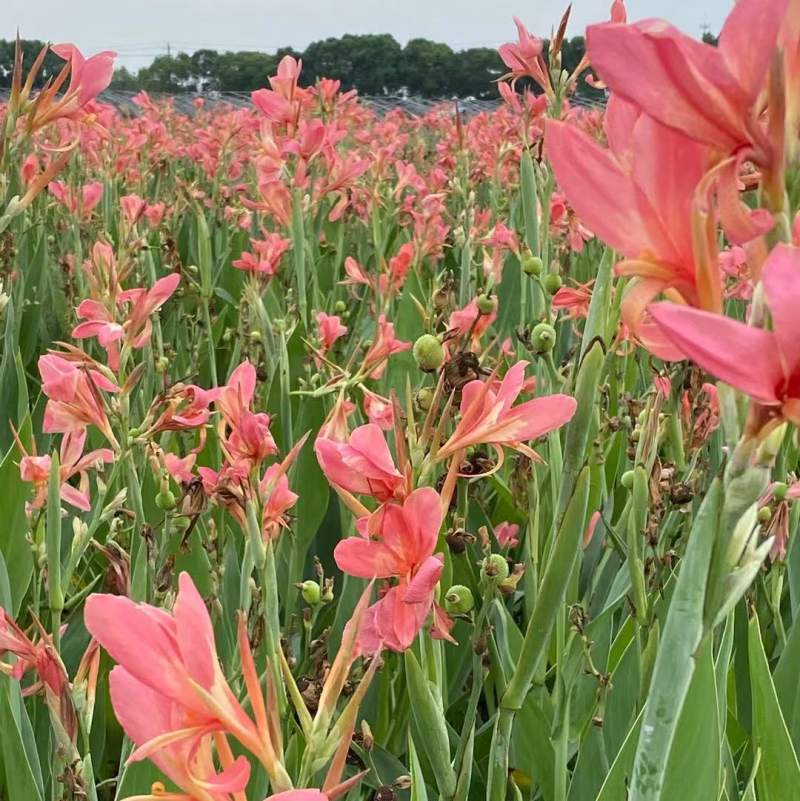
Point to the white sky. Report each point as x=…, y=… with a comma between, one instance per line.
x=141, y=29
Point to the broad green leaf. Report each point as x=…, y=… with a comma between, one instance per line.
x=778, y=776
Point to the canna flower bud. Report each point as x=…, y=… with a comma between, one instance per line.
x=552, y=283
x=532, y=266
x=311, y=592
x=428, y=353
x=486, y=304
x=543, y=338
x=459, y=600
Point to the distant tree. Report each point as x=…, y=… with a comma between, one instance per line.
x=474, y=73
x=709, y=38
x=427, y=68
x=169, y=74
x=371, y=63
x=125, y=81
x=244, y=71
x=205, y=66
x=31, y=48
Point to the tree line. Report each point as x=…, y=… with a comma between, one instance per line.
x=374, y=64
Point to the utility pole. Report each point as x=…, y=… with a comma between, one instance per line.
x=169, y=50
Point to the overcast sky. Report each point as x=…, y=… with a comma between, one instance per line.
x=141, y=29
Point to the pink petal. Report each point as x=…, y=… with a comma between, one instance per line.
x=366, y=559
x=781, y=278
x=421, y=587
x=195, y=633
x=602, y=194
x=744, y=357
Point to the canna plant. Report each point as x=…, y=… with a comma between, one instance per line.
x=407, y=457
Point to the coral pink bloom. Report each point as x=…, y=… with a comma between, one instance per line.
x=383, y=346
x=710, y=94
x=168, y=688
x=379, y=410
x=88, y=76
x=489, y=418
x=251, y=264
x=363, y=464
x=100, y=323
x=278, y=502
x=469, y=319
x=638, y=197
x=273, y=106
x=72, y=462
x=763, y=364
x=506, y=534
x=330, y=329
x=139, y=326
x=30, y=168
x=148, y=717
x=74, y=400
x=407, y=537
x=524, y=57
x=133, y=207
x=180, y=468
x=575, y=299
x=81, y=204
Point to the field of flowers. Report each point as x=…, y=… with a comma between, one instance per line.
x=362, y=457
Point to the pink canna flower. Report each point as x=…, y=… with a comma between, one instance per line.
x=74, y=397
x=279, y=499
x=180, y=468
x=88, y=76
x=506, y=534
x=488, y=417
x=170, y=695
x=30, y=168
x=525, y=58
x=139, y=325
x=379, y=410
x=100, y=323
x=330, y=329
x=712, y=95
x=639, y=197
x=72, y=462
x=406, y=539
x=575, y=300
x=362, y=465
x=763, y=364
x=384, y=345
x=80, y=204
x=469, y=319
x=133, y=207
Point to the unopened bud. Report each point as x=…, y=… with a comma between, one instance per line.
x=486, y=304
x=552, y=283
x=311, y=592
x=532, y=266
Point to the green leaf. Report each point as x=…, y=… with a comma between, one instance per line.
x=23, y=778
x=675, y=664
x=13, y=546
x=778, y=776
x=693, y=770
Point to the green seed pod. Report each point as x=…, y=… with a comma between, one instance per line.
x=256, y=336
x=486, y=304
x=459, y=599
x=543, y=338
x=495, y=567
x=428, y=353
x=165, y=500
x=779, y=491
x=425, y=398
x=764, y=514
x=340, y=307
x=552, y=283
x=532, y=266
x=311, y=592
x=627, y=479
